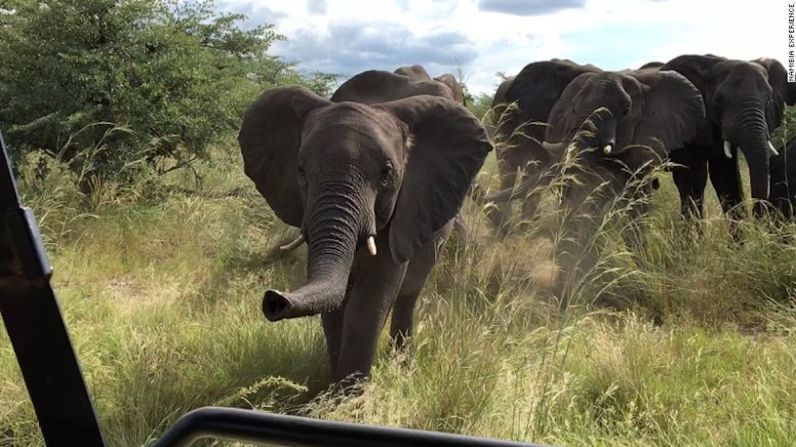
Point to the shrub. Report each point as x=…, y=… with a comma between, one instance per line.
x=177, y=74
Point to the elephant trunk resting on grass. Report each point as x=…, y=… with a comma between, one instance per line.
x=373, y=188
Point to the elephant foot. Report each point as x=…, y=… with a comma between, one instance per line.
x=349, y=387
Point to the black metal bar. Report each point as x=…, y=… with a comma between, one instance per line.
x=36, y=327
x=261, y=427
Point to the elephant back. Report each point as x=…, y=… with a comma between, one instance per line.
x=376, y=86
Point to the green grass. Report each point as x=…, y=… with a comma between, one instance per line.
x=161, y=292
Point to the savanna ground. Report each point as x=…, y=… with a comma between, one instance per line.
x=161, y=292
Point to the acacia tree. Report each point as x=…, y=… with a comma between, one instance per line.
x=177, y=74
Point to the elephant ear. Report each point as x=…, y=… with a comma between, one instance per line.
x=539, y=85
x=563, y=120
x=269, y=141
x=783, y=91
x=699, y=70
x=449, y=147
x=672, y=112
x=376, y=86
x=778, y=79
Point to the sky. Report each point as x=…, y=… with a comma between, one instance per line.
x=478, y=39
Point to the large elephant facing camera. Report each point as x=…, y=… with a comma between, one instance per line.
x=373, y=188
x=744, y=104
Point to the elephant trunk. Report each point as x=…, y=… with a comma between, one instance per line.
x=332, y=234
x=753, y=142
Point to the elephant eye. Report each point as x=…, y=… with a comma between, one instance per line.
x=386, y=174
x=300, y=171
x=626, y=111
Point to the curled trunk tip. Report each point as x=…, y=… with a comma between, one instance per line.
x=276, y=306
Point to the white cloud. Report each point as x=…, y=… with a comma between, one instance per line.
x=347, y=36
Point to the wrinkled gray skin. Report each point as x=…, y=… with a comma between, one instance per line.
x=744, y=104
x=418, y=74
x=783, y=179
x=342, y=172
x=520, y=131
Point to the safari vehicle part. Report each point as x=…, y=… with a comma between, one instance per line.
x=58, y=392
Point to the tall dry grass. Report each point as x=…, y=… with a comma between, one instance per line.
x=686, y=341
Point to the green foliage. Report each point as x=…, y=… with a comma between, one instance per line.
x=480, y=105
x=177, y=74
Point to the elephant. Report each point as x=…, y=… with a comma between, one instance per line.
x=520, y=131
x=417, y=73
x=455, y=87
x=614, y=129
x=498, y=106
x=783, y=179
x=654, y=64
x=609, y=130
x=373, y=188
x=744, y=104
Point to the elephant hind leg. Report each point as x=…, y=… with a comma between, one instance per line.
x=403, y=316
x=403, y=311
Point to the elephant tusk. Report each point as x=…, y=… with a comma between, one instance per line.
x=290, y=246
x=607, y=149
x=727, y=149
x=552, y=146
x=771, y=149
x=371, y=242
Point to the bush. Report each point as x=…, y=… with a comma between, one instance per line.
x=177, y=74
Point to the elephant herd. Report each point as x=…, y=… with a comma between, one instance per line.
x=375, y=175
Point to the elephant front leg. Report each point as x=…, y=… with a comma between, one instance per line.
x=373, y=290
x=691, y=178
x=726, y=180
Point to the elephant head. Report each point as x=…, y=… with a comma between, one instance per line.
x=349, y=174
x=621, y=125
x=744, y=103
